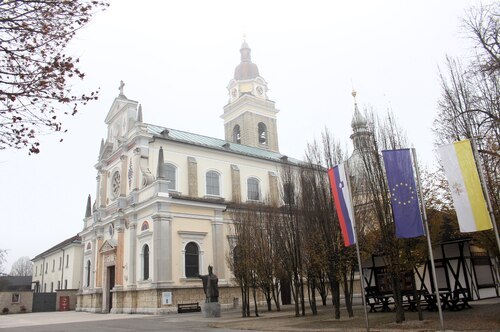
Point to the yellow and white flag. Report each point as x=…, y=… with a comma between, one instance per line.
x=463, y=179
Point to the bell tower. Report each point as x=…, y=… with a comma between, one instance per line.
x=250, y=117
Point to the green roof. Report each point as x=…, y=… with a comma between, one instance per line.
x=217, y=144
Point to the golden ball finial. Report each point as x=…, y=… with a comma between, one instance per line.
x=353, y=93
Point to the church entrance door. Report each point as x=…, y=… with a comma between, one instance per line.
x=111, y=284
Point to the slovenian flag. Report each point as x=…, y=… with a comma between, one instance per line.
x=463, y=179
x=343, y=204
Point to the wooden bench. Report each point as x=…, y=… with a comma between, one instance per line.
x=377, y=300
x=188, y=307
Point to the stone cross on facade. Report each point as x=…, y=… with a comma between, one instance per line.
x=121, y=88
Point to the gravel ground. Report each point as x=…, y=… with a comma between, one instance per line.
x=483, y=316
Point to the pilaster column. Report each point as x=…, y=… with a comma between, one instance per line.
x=120, y=229
x=162, y=248
x=273, y=188
x=218, y=244
x=124, y=180
x=235, y=184
x=137, y=169
x=132, y=241
x=98, y=262
x=192, y=177
x=103, y=176
x=93, y=264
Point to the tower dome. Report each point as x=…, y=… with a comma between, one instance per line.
x=358, y=120
x=246, y=70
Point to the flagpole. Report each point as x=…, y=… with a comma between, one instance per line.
x=363, y=299
x=485, y=190
x=428, y=236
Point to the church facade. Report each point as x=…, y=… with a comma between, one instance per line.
x=159, y=217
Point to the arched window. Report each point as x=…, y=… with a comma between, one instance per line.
x=236, y=134
x=213, y=185
x=192, y=260
x=88, y=274
x=89, y=246
x=145, y=262
x=145, y=226
x=262, y=133
x=253, y=190
x=170, y=171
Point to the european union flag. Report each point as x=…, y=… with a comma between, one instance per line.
x=403, y=192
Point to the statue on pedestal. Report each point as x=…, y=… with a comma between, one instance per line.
x=210, y=286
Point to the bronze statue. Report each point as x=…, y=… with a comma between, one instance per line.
x=210, y=287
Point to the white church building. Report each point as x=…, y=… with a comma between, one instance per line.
x=159, y=217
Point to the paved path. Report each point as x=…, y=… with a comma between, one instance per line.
x=484, y=316
x=72, y=321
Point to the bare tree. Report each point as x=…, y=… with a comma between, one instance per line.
x=35, y=73
x=240, y=259
x=3, y=255
x=373, y=190
x=469, y=108
x=22, y=267
x=288, y=233
x=482, y=25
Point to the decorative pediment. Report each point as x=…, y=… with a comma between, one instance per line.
x=120, y=105
x=107, y=247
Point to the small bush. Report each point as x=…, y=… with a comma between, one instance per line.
x=5, y=311
x=22, y=309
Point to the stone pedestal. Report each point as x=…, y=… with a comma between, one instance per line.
x=210, y=309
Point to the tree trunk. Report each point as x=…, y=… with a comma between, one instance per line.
x=255, y=301
x=268, y=298
x=243, y=301
x=302, y=298
x=296, y=293
x=247, y=291
x=416, y=297
x=334, y=285
x=311, y=290
x=276, y=294
x=323, y=289
x=347, y=296
x=398, y=298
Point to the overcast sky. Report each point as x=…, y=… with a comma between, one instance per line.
x=177, y=57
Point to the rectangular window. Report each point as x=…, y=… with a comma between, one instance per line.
x=58, y=284
x=51, y=287
x=60, y=262
x=170, y=170
x=45, y=288
x=36, y=270
x=16, y=298
x=289, y=193
x=212, y=179
x=46, y=268
x=67, y=260
x=65, y=283
x=53, y=265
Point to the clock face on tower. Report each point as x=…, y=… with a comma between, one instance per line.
x=115, y=184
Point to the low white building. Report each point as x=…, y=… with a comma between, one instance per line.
x=59, y=268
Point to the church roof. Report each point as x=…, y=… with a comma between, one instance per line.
x=218, y=144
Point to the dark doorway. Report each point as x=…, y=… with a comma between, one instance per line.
x=111, y=283
x=286, y=292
